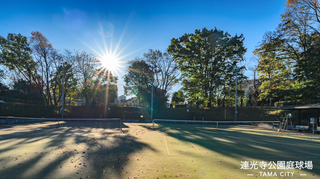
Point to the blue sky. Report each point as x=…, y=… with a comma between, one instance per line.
x=137, y=25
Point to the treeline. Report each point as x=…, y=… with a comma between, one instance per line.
x=287, y=61
x=289, y=56
x=37, y=70
x=202, y=62
x=157, y=68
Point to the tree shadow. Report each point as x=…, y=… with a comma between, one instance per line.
x=73, y=150
x=262, y=145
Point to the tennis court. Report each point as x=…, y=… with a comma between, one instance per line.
x=98, y=149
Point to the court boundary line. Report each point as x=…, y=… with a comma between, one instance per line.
x=165, y=141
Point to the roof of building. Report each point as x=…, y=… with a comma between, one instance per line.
x=300, y=107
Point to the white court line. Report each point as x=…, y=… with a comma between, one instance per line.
x=190, y=142
x=303, y=174
x=165, y=141
x=249, y=175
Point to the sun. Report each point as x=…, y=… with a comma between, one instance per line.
x=110, y=62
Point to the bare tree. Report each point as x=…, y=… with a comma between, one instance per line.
x=169, y=73
x=254, y=90
x=85, y=69
x=42, y=50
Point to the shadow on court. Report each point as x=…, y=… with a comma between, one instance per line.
x=55, y=124
x=247, y=143
x=74, y=150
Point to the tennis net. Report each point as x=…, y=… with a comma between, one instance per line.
x=218, y=124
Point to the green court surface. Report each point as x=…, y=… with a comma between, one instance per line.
x=83, y=150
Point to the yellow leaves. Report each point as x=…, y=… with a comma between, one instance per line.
x=291, y=2
x=39, y=40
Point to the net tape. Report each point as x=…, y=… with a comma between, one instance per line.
x=215, y=122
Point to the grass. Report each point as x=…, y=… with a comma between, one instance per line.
x=78, y=150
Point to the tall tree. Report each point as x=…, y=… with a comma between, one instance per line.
x=102, y=85
x=178, y=97
x=303, y=14
x=139, y=83
x=15, y=53
x=42, y=50
x=86, y=69
x=254, y=90
x=138, y=79
x=205, y=59
x=275, y=66
x=300, y=23
x=290, y=53
x=70, y=83
x=23, y=90
x=169, y=73
x=3, y=89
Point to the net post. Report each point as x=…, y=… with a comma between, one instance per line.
x=217, y=125
x=121, y=125
x=272, y=125
x=152, y=124
x=279, y=126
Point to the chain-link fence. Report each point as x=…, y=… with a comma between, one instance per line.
x=24, y=108
x=263, y=113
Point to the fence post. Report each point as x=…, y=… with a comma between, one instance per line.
x=205, y=113
x=23, y=107
x=13, y=107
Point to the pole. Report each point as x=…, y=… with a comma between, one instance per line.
x=13, y=106
x=153, y=68
x=62, y=108
x=152, y=98
x=235, y=105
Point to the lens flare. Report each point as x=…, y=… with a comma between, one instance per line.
x=106, y=29
x=110, y=62
x=74, y=19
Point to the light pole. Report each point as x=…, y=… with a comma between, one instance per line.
x=152, y=98
x=156, y=71
x=236, y=89
x=62, y=108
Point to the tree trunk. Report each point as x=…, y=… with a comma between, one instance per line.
x=224, y=97
x=54, y=97
x=210, y=98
